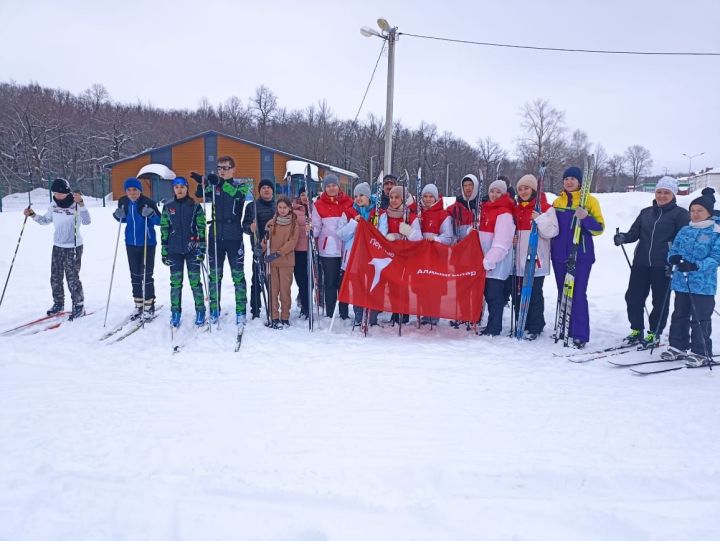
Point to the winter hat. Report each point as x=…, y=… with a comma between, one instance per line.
x=60, y=185
x=573, y=172
x=499, y=185
x=390, y=178
x=431, y=189
x=330, y=179
x=362, y=189
x=132, y=182
x=476, y=187
x=528, y=180
x=397, y=190
x=667, y=183
x=268, y=183
x=706, y=200
x=182, y=181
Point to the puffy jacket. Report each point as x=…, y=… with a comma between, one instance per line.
x=435, y=222
x=300, y=211
x=67, y=224
x=655, y=228
x=391, y=226
x=182, y=227
x=698, y=243
x=593, y=224
x=229, y=205
x=135, y=229
x=463, y=210
x=326, y=215
x=547, y=226
x=497, y=230
x=347, y=225
x=265, y=210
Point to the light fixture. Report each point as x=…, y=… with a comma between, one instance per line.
x=383, y=24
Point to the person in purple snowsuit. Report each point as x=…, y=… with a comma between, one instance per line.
x=568, y=210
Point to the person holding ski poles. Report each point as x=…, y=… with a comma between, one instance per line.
x=547, y=228
x=592, y=224
x=257, y=216
x=183, y=243
x=654, y=230
x=326, y=215
x=695, y=256
x=497, y=229
x=66, y=212
x=302, y=213
x=227, y=195
x=141, y=215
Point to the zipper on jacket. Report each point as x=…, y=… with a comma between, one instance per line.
x=652, y=236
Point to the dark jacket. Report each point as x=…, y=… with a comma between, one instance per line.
x=655, y=227
x=135, y=229
x=265, y=211
x=182, y=227
x=228, y=210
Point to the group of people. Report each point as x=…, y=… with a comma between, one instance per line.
x=676, y=249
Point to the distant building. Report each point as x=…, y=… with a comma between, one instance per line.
x=200, y=153
x=708, y=177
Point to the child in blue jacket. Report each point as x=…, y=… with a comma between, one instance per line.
x=695, y=255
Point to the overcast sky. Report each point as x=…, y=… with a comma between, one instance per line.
x=173, y=53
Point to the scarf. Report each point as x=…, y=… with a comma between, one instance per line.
x=396, y=213
x=64, y=203
x=363, y=211
x=283, y=220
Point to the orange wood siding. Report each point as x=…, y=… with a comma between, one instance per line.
x=247, y=158
x=189, y=157
x=125, y=170
x=280, y=167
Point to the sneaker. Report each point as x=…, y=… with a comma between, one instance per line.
x=77, y=311
x=240, y=320
x=486, y=332
x=175, y=319
x=200, y=318
x=530, y=336
x=214, y=315
x=635, y=337
x=285, y=322
x=673, y=354
x=56, y=309
x=276, y=324
x=578, y=344
x=695, y=360
x=455, y=324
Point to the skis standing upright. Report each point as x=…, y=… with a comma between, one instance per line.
x=530, y=262
x=562, y=327
x=312, y=268
x=373, y=221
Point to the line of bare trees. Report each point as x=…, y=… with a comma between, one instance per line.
x=47, y=132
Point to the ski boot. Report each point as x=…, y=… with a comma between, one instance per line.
x=673, y=354
x=240, y=321
x=214, y=315
x=530, y=336
x=175, y=319
x=285, y=322
x=77, y=311
x=650, y=340
x=578, y=344
x=634, y=338
x=138, y=312
x=200, y=318
x=56, y=309
x=149, y=308
x=695, y=360
x=276, y=325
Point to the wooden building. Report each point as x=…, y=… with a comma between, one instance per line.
x=200, y=153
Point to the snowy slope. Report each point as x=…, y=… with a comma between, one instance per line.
x=311, y=437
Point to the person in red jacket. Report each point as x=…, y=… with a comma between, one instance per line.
x=326, y=214
x=463, y=209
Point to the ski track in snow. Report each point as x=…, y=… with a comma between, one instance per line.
x=315, y=437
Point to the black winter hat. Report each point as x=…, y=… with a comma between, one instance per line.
x=706, y=200
x=60, y=185
x=266, y=182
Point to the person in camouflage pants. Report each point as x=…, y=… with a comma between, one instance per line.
x=183, y=243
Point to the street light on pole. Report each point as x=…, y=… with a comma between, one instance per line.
x=447, y=179
x=390, y=34
x=690, y=158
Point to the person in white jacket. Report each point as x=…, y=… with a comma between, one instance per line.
x=547, y=227
x=66, y=212
x=497, y=229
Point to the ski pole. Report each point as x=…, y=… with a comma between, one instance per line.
x=12, y=263
x=697, y=321
x=144, y=280
x=617, y=232
x=217, y=282
x=112, y=273
x=662, y=312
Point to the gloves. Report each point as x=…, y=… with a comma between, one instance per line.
x=165, y=259
x=668, y=271
x=675, y=259
x=619, y=239
x=391, y=237
x=272, y=257
x=200, y=255
x=147, y=212
x=487, y=265
x=213, y=179
x=405, y=229
x=686, y=266
x=197, y=177
x=409, y=200
x=119, y=213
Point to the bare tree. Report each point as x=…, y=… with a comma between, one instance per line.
x=615, y=169
x=543, y=139
x=639, y=161
x=264, y=106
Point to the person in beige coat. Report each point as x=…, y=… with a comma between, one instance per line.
x=282, y=235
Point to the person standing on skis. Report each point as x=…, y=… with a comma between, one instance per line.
x=226, y=232
x=141, y=215
x=66, y=212
x=654, y=230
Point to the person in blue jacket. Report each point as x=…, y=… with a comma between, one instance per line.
x=695, y=256
x=141, y=215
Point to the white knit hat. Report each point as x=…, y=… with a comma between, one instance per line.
x=529, y=181
x=431, y=189
x=667, y=183
x=499, y=185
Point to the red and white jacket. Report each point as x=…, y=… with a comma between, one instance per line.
x=390, y=227
x=436, y=223
x=497, y=229
x=547, y=225
x=326, y=215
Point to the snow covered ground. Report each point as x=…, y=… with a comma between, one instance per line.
x=438, y=435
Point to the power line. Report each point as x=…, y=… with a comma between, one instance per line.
x=372, y=76
x=559, y=49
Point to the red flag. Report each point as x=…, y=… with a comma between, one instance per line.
x=425, y=278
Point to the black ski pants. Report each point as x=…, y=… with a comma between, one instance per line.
x=332, y=276
x=495, y=298
x=135, y=260
x=691, y=324
x=642, y=281
x=535, y=322
x=301, y=279
x=65, y=263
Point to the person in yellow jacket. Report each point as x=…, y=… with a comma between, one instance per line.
x=568, y=210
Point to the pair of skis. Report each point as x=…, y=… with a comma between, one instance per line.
x=120, y=332
x=41, y=324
